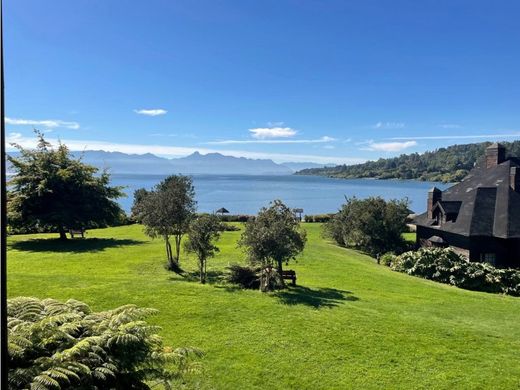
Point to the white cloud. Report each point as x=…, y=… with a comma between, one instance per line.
x=272, y=132
x=389, y=125
x=177, y=151
x=48, y=123
x=323, y=139
x=151, y=112
x=455, y=136
x=450, y=126
x=389, y=146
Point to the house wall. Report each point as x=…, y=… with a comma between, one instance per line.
x=459, y=243
x=507, y=252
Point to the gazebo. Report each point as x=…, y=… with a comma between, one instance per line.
x=222, y=211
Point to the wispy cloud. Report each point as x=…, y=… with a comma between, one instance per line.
x=450, y=126
x=272, y=132
x=151, y=111
x=324, y=139
x=459, y=136
x=388, y=146
x=389, y=125
x=177, y=151
x=48, y=123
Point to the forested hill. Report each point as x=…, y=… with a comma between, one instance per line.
x=449, y=164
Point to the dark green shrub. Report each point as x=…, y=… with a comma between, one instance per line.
x=64, y=345
x=318, y=218
x=236, y=218
x=244, y=276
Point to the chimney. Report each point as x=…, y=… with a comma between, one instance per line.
x=495, y=154
x=514, y=179
x=434, y=195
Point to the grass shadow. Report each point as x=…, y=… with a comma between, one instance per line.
x=212, y=277
x=314, y=297
x=74, y=246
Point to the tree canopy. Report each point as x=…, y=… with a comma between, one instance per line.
x=449, y=164
x=166, y=211
x=372, y=225
x=204, y=231
x=274, y=237
x=52, y=190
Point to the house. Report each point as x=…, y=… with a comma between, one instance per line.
x=480, y=216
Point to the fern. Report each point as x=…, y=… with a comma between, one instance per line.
x=64, y=345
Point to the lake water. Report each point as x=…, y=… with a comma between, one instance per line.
x=242, y=194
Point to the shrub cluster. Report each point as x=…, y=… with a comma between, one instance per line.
x=446, y=266
x=236, y=218
x=372, y=225
x=319, y=218
x=244, y=276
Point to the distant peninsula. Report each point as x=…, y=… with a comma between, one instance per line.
x=446, y=165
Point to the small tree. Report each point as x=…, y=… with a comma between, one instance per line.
x=166, y=211
x=372, y=225
x=204, y=231
x=53, y=191
x=274, y=237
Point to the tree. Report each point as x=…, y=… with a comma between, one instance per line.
x=166, y=211
x=204, y=231
x=274, y=237
x=52, y=190
x=64, y=345
x=372, y=225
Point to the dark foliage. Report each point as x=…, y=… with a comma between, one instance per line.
x=448, y=165
x=372, y=225
x=236, y=218
x=244, y=276
x=52, y=191
x=167, y=211
x=318, y=218
x=274, y=237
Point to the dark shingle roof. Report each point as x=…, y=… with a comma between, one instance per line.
x=487, y=204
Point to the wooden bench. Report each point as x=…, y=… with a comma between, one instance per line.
x=77, y=232
x=290, y=274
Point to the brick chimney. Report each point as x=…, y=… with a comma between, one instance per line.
x=514, y=179
x=434, y=195
x=495, y=154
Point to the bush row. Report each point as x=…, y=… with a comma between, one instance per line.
x=236, y=218
x=318, y=218
x=446, y=266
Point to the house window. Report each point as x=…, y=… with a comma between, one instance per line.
x=488, y=258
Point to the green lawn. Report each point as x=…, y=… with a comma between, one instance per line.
x=350, y=323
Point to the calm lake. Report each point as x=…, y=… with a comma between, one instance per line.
x=315, y=195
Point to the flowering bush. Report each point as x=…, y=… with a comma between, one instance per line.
x=446, y=266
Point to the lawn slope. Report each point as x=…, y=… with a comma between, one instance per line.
x=350, y=323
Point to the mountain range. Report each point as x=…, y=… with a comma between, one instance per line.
x=195, y=163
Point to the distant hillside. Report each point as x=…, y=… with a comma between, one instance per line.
x=449, y=164
x=298, y=166
x=196, y=163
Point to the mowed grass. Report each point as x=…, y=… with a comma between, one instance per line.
x=349, y=324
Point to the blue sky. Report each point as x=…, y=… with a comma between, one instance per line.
x=306, y=80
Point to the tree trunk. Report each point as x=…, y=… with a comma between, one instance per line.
x=202, y=271
x=279, y=269
x=177, y=248
x=168, y=250
x=63, y=234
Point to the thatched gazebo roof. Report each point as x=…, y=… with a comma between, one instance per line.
x=222, y=210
